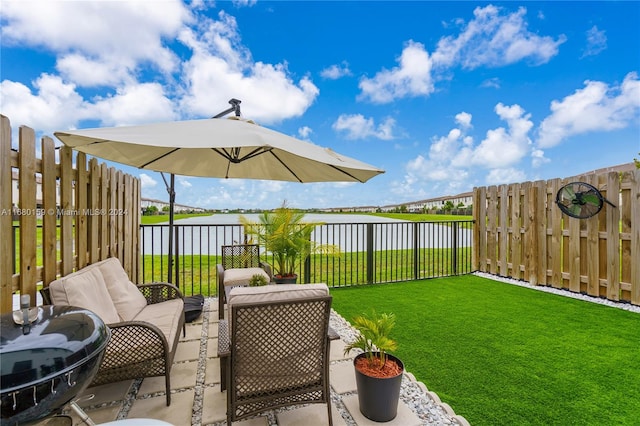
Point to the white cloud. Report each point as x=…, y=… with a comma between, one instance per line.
x=597, y=107
x=184, y=182
x=411, y=78
x=493, y=83
x=336, y=71
x=304, y=132
x=538, y=158
x=244, y=3
x=356, y=126
x=505, y=147
x=596, y=42
x=111, y=35
x=464, y=119
x=54, y=105
x=509, y=175
x=221, y=68
x=492, y=39
x=136, y=104
x=147, y=181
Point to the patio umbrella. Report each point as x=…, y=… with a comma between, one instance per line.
x=218, y=148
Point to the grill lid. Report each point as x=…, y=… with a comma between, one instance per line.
x=59, y=340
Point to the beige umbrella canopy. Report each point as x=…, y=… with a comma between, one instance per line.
x=219, y=148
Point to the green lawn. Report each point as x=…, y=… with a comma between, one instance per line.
x=505, y=355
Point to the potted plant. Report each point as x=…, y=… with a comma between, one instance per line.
x=257, y=280
x=283, y=234
x=378, y=373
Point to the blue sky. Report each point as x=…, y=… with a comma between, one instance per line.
x=443, y=96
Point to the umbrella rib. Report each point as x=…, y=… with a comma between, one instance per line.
x=287, y=167
x=234, y=155
x=158, y=158
x=346, y=173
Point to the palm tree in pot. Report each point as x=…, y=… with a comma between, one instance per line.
x=283, y=233
x=378, y=373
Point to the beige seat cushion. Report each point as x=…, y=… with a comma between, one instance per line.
x=166, y=316
x=241, y=276
x=274, y=293
x=85, y=289
x=125, y=295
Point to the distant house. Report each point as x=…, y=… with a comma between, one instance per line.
x=159, y=204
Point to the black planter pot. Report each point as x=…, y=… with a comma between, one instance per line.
x=378, y=397
x=285, y=280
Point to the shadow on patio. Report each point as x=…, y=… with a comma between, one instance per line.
x=197, y=400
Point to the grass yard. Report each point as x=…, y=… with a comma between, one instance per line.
x=500, y=354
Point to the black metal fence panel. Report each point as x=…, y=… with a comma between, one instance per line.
x=368, y=253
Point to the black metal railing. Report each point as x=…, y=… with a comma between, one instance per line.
x=369, y=253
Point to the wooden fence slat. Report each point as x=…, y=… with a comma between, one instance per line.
x=49, y=208
x=613, y=237
x=635, y=235
x=113, y=205
x=28, y=220
x=94, y=211
x=556, y=237
x=6, y=219
x=503, y=245
x=516, y=231
x=592, y=251
x=492, y=225
x=82, y=205
x=105, y=211
x=67, y=207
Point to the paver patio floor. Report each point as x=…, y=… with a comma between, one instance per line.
x=197, y=399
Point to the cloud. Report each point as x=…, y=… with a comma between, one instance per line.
x=54, y=105
x=147, y=181
x=503, y=147
x=493, y=39
x=411, y=78
x=96, y=52
x=596, y=107
x=355, y=126
x=304, y=132
x=115, y=36
x=222, y=68
x=493, y=83
x=335, y=71
x=134, y=104
x=244, y=3
x=184, y=182
x=596, y=42
x=509, y=175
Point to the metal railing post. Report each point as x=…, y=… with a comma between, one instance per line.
x=416, y=251
x=454, y=248
x=370, y=264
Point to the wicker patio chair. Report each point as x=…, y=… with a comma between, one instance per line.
x=275, y=353
x=239, y=263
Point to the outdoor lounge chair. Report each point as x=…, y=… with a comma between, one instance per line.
x=274, y=348
x=239, y=263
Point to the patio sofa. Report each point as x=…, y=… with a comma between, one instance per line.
x=145, y=320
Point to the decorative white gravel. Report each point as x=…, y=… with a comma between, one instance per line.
x=601, y=301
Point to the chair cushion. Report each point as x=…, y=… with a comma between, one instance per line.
x=166, y=316
x=241, y=276
x=273, y=293
x=126, y=297
x=85, y=289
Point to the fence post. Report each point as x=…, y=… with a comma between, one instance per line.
x=370, y=265
x=454, y=248
x=416, y=251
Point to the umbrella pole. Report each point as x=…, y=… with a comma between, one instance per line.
x=172, y=199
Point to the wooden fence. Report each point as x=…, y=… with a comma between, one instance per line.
x=86, y=213
x=521, y=233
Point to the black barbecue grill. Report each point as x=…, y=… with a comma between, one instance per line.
x=47, y=361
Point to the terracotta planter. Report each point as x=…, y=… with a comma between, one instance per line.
x=378, y=397
x=289, y=279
